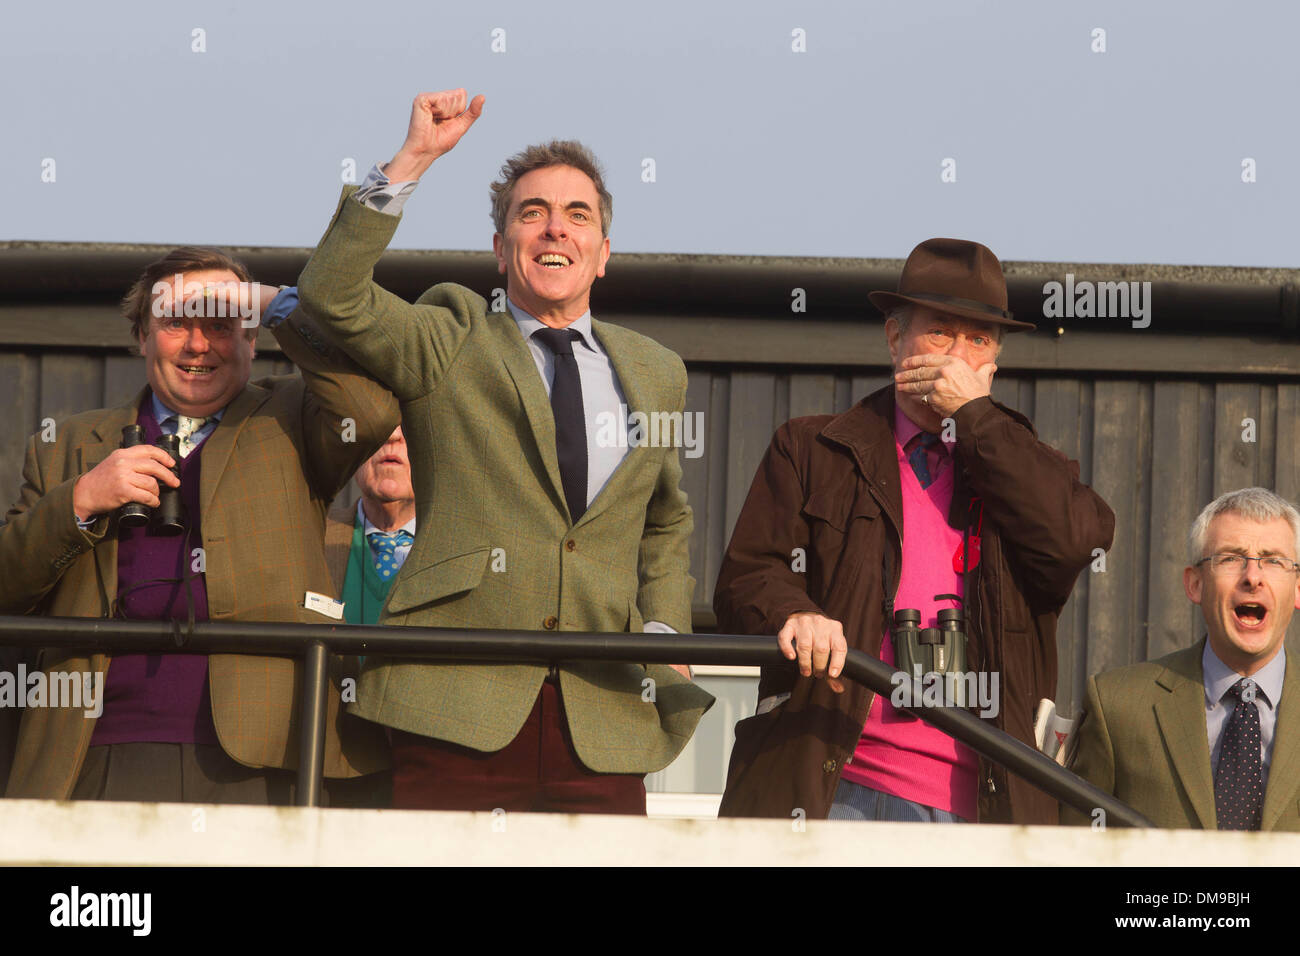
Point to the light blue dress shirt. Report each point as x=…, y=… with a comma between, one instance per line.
x=602, y=395
x=1218, y=677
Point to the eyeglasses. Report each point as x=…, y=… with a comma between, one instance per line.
x=1237, y=563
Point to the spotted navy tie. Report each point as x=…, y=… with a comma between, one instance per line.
x=1239, y=779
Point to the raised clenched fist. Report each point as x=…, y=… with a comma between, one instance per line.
x=438, y=121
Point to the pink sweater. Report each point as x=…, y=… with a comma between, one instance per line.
x=899, y=754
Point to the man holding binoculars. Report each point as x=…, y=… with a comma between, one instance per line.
x=928, y=526
x=201, y=498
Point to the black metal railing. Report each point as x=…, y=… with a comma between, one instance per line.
x=313, y=643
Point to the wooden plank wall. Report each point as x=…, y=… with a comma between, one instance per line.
x=1156, y=448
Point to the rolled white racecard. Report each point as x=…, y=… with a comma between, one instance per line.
x=1052, y=732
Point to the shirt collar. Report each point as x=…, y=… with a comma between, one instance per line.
x=905, y=430
x=368, y=529
x=161, y=412
x=528, y=324
x=1218, y=677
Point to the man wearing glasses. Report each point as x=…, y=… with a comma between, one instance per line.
x=1209, y=737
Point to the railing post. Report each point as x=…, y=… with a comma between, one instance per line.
x=311, y=725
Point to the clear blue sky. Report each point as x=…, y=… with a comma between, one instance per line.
x=1062, y=153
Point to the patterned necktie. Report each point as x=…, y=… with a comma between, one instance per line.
x=1238, y=781
x=384, y=546
x=926, y=457
x=570, y=421
x=185, y=429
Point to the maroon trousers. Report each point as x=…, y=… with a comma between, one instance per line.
x=538, y=771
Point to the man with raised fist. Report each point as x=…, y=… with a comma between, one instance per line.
x=927, y=496
x=258, y=463
x=527, y=520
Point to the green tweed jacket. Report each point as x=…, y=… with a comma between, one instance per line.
x=280, y=453
x=494, y=547
x=1143, y=738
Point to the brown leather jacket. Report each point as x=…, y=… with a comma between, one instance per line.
x=830, y=485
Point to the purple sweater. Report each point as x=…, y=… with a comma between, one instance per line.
x=159, y=698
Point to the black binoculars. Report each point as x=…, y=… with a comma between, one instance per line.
x=924, y=650
x=169, y=517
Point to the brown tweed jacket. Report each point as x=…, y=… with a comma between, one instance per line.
x=283, y=449
x=339, y=524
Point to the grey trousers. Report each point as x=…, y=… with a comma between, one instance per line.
x=199, y=773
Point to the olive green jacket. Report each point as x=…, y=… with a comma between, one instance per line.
x=1143, y=739
x=494, y=547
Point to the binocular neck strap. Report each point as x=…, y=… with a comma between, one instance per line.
x=887, y=587
x=975, y=515
x=188, y=576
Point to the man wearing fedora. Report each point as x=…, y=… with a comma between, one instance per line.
x=925, y=495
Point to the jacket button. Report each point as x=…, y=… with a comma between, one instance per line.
x=550, y=623
x=570, y=545
x=829, y=766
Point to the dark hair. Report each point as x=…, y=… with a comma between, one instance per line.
x=137, y=304
x=558, y=152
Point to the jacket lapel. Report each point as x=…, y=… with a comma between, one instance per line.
x=532, y=395
x=108, y=438
x=339, y=525
x=1180, y=715
x=1284, y=773
x=220, y=445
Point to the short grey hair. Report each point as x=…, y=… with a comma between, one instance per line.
x=558, y=152
x=902, y=314
x=1257, y=504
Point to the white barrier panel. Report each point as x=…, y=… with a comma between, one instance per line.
x=139, y=834
x=682, y=806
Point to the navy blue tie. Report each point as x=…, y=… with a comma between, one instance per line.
x=919, y=457
x=1239, y=778
x=570, y=420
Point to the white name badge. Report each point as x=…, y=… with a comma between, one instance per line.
x=323, y=605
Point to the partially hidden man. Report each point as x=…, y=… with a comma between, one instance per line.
x=526, y=518
x=1208, y=737
x=258, y=465
x=926, y=495
x=366, y=544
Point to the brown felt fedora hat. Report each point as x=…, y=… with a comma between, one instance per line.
x=956, y=277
